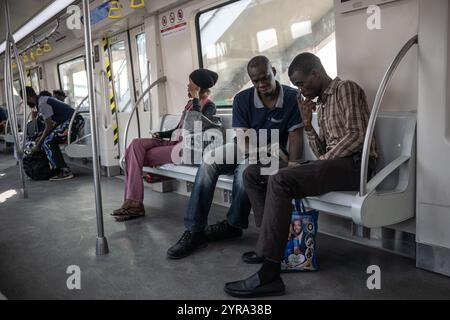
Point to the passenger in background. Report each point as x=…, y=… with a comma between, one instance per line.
x=267, y=105
x=3, y=118
x=156, y=151
x=59, y=95
x=57, y=116
x=343, y=116
x=45, y=93
x=36, y=126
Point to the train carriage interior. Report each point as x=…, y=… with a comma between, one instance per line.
x=124, y=71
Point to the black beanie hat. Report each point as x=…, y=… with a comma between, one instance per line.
x=204, y=78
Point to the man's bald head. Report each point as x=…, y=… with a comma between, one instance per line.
x=262, y=75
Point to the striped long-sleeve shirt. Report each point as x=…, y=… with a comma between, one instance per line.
x=343, y=116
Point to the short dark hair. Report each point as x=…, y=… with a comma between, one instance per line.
x=305, y=62
x=59, y=92
x=30, y=92
x=258, y=61
x=45, y=93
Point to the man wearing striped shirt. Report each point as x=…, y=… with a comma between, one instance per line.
x=343, y=116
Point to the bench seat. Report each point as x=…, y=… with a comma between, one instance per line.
x=390, y=198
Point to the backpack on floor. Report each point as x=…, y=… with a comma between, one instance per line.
x=36, y=166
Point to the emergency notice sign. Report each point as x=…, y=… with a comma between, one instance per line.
x=172, y=22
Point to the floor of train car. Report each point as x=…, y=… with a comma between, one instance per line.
x=55, y=228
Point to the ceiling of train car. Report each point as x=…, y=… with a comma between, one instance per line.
x=21, y=11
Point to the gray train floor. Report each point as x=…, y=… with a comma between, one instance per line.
x=56, y=228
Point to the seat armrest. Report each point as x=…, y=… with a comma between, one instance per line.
x=386, y=172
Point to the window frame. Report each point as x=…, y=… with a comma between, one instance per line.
x=199, y=39
x=66, y=61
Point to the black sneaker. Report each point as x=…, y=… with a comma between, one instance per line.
x=188, y=243
x=64, y=174
x=221, y=231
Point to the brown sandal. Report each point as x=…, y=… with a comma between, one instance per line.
x=124, y=214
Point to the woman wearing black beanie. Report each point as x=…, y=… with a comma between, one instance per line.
x=155, y=151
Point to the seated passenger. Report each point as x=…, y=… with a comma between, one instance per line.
x=59, y=95
x=267, y=105
x=57, y=116
x=3, y=118
x=36, y=126
x=343, y=116
x=156, y=151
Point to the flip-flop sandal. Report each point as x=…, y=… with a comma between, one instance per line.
x=252, y=258
x=129, y=214
x=125, y=211
x=118, y=212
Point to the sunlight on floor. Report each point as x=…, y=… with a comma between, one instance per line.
x=6, y=195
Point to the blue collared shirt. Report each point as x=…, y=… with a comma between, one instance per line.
x=250, y=113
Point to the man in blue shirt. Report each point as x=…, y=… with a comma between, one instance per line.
x=267, y=105
x=57, y=116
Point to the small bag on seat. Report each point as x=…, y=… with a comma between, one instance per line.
x=196, y=143
x=300, y=252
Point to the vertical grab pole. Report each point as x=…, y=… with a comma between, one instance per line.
x=10, y=100
x=101, y=244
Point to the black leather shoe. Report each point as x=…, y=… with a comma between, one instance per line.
x=188, y=243
x=221, y=231
x=252, y=258
x=252, y=288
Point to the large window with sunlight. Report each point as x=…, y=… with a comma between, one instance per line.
x=230, y=35
x=73, y=80
x=120, y=80
x=33, y=79
x=143, y=67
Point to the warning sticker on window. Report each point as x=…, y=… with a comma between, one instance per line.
x=172, y=22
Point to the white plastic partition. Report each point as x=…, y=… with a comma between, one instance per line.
x=136, y=111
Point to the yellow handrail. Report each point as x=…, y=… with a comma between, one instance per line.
x=115, y=12
x=39, y=51
x=47, y=46
x=135, y=4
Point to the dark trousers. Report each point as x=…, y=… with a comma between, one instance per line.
x=271, y=196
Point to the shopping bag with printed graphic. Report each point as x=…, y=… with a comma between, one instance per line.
x=300, y=253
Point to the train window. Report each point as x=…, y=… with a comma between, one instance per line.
x=143, y=70
x=73, y=79
x=229, y=35
x=120, y=71
x=16, y=87
x=34, y=79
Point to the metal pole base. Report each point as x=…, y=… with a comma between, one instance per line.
x=23, y=194
x=101, y=247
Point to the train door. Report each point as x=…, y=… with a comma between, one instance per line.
x=141, y=73
x=123, y=85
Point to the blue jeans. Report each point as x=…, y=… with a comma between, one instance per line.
x=196, y=217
